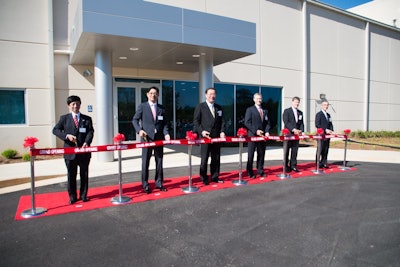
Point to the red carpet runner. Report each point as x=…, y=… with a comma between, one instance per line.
x=57, y=203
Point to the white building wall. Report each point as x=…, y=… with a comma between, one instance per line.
x=24, y=64
x=337, y=66
x=385, y=79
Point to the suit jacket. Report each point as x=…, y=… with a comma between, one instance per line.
x=253, y=122
x=204, y=120
x=143, y=120
x=322, y=122
x=289, y=120
x=84, y=133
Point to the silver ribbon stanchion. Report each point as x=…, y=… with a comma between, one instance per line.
x=34, y=211
x=120, y=199
x=319, y=148
x=344, y=167
x=284, y=175
x=190, y=189
x=240, y=181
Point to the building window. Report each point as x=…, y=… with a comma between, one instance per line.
x=226, y=98
x=12, y=106
x=186, y=100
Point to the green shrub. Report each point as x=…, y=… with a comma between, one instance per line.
x=9, y=153
x=26, y=157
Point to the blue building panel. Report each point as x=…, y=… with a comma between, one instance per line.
x=222, y=40
x=138, y=9
x=139, y=19
x=195, y=19
x=131, y=27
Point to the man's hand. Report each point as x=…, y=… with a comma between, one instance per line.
x=205, y=134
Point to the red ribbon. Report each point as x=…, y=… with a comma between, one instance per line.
x=80, y=150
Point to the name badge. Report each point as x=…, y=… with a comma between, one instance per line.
x=160, y=118
x=266, y=117
x=219, y=113
x=300, y=117
x=82, y=130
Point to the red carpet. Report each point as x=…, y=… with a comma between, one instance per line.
x=100, y=197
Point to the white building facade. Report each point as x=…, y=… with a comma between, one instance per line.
x=106, y=51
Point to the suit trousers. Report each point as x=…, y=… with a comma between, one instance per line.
x=158, y=156
x=323, y=160
x=215, y=151
x=293, y=146
x=251, y=148
x=72, y=166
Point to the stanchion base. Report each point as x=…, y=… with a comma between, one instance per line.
x=284, y=176
x=344, y=168
x=120, y=200
x=190, y=189
x=33, y=212
x=318, y=171
x=239, y=182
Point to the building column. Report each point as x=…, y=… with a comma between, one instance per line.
x=206, y=75
x=103, y=87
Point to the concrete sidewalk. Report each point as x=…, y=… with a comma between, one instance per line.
x=174, y=156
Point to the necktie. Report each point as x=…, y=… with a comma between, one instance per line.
x=76, y=121
x=295, y=115
x=153, y=110
x=261, y=113
x=212, y=110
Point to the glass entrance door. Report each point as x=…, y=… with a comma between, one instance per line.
x=127, y=97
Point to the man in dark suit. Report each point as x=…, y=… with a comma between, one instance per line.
x=76, y=130
x=209, y=123
x=293, y=121
x=323, y=120
x=151, y=124
x=257, y=123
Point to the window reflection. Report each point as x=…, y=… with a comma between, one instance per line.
x=186, y=100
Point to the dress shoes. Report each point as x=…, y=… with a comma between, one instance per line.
x=72, y=201
x=147, y=189
x=162, y=188
x=252, y=176
x=262, y=175
x=326, y=166
x=85, y=199
x=205, y=182
x=295, y=169
x=287, y=169
x=217, y=180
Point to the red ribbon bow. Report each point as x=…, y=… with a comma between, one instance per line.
x=242, y=132
x=190, y=135
x=119, y=137
x=347, y=131
x=285, y=131
x=320, y=131
x=30, y=141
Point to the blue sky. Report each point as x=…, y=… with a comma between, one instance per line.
x=344, y=4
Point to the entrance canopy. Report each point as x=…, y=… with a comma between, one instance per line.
x=152, y=36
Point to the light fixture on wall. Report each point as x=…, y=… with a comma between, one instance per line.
x=87, y=73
